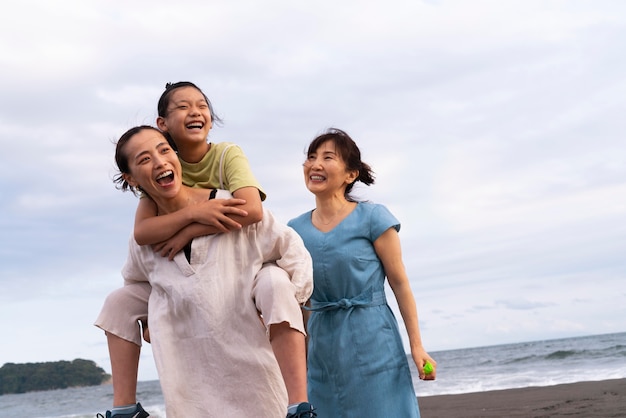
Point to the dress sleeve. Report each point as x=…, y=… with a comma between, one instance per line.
x=381, y=220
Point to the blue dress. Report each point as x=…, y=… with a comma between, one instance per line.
x=357, y=366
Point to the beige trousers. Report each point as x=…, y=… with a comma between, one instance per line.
x=273, y=293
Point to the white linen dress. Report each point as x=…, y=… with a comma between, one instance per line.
x=210, y=346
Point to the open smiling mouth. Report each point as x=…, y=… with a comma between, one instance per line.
x=165, y=177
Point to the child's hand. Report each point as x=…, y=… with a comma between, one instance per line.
x=169, y=248
x=146, y=331
x=214, y=213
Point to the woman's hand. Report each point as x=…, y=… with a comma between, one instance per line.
x=420, y=357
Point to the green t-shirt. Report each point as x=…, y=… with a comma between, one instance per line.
x=236, y=172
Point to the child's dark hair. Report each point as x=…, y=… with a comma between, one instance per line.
x=164, y=102
x=349, y=153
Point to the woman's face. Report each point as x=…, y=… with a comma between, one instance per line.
x=153, y=164
x=188, y=117
x=325, y=171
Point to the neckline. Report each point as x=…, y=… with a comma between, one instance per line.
x=329, y=230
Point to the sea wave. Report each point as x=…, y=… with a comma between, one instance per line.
x=539, y=363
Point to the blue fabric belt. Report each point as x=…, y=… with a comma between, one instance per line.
x=364, y=300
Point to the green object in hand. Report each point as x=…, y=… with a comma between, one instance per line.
x=428, y=368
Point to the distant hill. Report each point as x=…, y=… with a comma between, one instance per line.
x=28, y=377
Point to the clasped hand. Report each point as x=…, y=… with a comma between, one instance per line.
x=206, y=217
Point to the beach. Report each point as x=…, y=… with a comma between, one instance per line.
x=533, y=379
x=597, y=399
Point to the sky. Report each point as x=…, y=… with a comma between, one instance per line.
x=495, y=129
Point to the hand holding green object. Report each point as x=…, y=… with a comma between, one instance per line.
x=428, y=368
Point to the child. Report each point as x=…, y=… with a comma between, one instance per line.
x=186, y=116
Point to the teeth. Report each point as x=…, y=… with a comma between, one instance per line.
x=317, y=178
x=195, y=125
x=164, y=174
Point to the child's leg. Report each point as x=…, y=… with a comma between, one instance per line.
x=123, y=309
x=124, y=357
x=288, y=345
x=274, y=296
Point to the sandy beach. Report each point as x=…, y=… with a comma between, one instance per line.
x=601, y=399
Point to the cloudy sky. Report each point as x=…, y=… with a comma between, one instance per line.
x=496, y=130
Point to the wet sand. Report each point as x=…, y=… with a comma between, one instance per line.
x=601, y=399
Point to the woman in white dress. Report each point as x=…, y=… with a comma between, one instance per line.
x=210, y=346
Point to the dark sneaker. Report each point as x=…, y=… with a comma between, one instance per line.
x=137, y=413
x=304, y=410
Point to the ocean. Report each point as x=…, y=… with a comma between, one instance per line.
x=535, y=363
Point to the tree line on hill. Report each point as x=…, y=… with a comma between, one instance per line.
x=28, y=377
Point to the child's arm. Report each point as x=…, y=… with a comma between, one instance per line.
x=253, y=206
x=215, y=215
x=250, y=211
x=172, y=246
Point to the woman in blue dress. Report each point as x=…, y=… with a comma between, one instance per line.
x=357, y=366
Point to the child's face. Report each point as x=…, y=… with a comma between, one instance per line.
x=188, y=117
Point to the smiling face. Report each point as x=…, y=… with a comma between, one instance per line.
x=188, y=117
x=153, y=165
x=325, y=171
